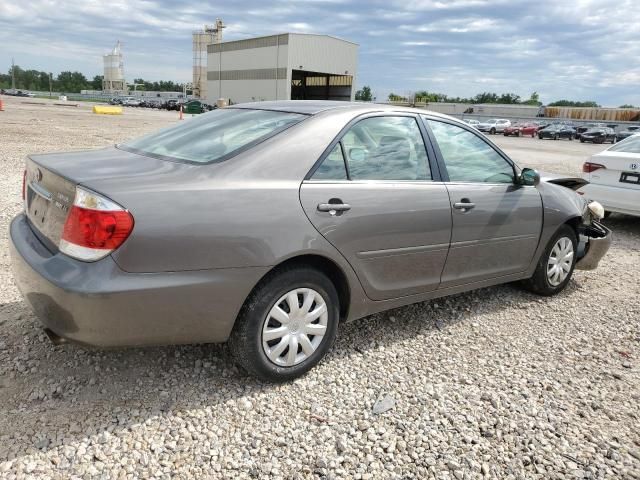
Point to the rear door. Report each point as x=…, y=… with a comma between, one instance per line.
x=378, y=199
x=496, y=222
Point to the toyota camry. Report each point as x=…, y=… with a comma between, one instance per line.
x=268, y=224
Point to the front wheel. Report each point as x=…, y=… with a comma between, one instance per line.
x=287, y=325
x=555, y=267
x=492, y=131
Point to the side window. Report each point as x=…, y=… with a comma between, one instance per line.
x=467, y=157
x=333, y=167
x=386, y=148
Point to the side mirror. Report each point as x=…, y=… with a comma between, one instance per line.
x=529, y=176
x=357, y=154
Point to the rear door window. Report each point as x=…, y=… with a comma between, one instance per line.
x=380, y=148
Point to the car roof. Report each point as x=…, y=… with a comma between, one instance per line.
x=313, y=107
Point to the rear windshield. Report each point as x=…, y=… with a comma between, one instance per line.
x=213, y=136
x=630, y=145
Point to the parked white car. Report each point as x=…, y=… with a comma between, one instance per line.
x=472, y=122
x=614, y=177
x=495, y=125
x=130, y=102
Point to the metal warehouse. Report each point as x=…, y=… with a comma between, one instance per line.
x=289, y=66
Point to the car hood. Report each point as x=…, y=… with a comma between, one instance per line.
x=573, y=183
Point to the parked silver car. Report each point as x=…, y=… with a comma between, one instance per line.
x=267, y=224
x=494, y=125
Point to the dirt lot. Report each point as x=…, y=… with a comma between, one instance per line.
x=496, y=383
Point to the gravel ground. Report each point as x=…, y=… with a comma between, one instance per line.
x=495, y=383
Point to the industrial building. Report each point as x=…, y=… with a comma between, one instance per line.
x=289, y=66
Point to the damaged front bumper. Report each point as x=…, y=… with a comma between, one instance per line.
x=595, y=240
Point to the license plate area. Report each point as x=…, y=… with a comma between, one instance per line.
x=629, y=177
x=38, y=204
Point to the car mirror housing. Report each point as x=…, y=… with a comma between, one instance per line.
x=529, y=176
x=357, y=154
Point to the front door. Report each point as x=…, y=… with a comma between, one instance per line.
x=375, y=199
x=496, y=222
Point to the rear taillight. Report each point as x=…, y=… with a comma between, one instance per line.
x=24, y=185
x=589, y=167
x=95, y=227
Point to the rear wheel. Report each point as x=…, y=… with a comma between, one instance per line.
x=492, y=131
x=555, y=267
x=555, y=137
x=287, y=325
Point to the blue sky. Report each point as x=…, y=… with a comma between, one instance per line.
x=576, y=49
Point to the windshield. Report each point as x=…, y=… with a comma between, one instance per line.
x=213, y=136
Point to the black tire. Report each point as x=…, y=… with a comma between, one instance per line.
x=582, y=140
x=492, y=131
x=555, y=137
x=539, y=282
x=245, y=342
x=518, y=133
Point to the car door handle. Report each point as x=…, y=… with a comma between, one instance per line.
x=333, y=207
x=464, y=205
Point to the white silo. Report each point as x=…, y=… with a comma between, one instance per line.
x=113, y=80
x=201, y=38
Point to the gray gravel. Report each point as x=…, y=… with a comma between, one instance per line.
x=496, y=383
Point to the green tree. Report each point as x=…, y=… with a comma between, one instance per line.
x=626, y=105
x=71, y=82
x=534, y=99
x=396, y=98
x=571, y=103
x=364, y=94
x=96, y=83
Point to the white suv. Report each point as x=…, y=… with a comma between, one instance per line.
x=495, y=125
x=614, y=177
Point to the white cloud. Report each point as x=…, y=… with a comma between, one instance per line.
x=581, y=49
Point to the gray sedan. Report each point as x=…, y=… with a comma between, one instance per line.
x=267, y=224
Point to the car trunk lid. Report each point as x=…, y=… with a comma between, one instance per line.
x=51, y=180
x=621, y=170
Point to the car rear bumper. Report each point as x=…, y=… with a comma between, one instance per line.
x=613, y=198
x=100, y=304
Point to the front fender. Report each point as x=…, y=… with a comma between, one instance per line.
x=560, y=205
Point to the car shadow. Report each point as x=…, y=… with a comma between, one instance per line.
x=53, y=394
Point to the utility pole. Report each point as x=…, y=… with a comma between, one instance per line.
x=13, y=74
x=49, y=84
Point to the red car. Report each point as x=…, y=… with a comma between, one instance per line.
x=521, y=129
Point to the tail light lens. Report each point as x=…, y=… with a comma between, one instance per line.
x=95, y=227
x=589, y=167
x=24, y=185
